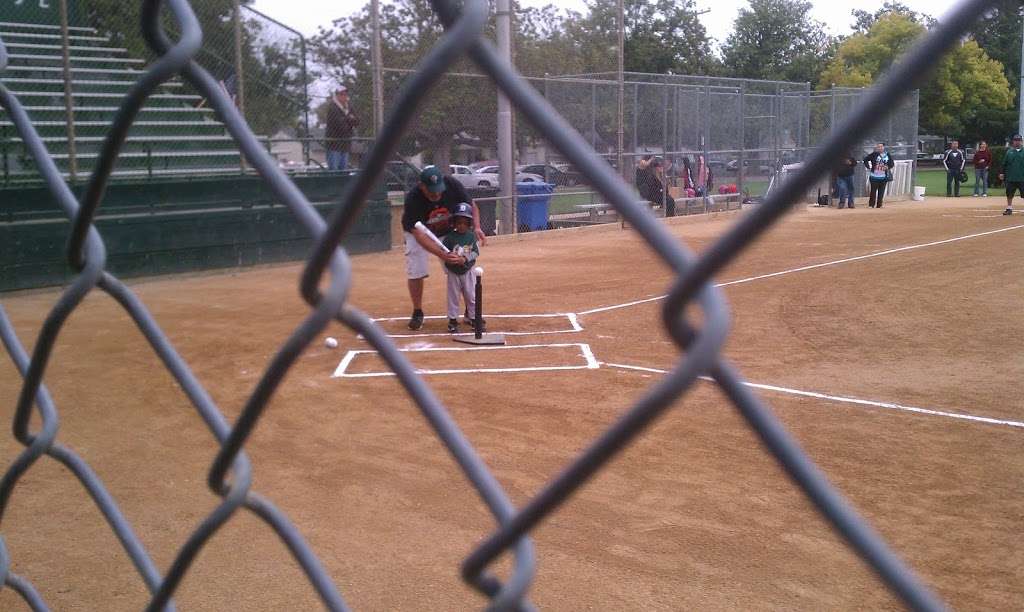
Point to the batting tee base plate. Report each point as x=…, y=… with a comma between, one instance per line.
x=483, y=340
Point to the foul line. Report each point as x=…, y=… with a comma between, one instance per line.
x=812, y=267
x=846, y=400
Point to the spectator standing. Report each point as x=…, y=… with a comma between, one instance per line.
x=705, y=177
x=845, y=170
x=879, y=164
x=341, y=125
x=954, y=161
x=982, y=163
x=1013, y=172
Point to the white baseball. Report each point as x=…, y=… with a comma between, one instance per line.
x=479, y=271
x=331, y=342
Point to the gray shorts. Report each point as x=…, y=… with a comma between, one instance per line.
x=417, y=259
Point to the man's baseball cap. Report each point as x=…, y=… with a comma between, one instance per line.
x=463, y=210
x=432, y=179
x=1016, y=137
x=340, y=89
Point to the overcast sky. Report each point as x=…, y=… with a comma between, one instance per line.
x=307, y=15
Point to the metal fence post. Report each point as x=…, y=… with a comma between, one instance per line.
x=239, y=72
x=622, y=91
x=377, y=61
x=636, y=116
x=743, y=136
x=832, y=115
x=69, y=99
x=305, y=103
x=915, y=112
x=705, y=135
x=664, y=117
x=506, y=155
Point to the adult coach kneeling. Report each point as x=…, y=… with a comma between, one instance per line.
x=431, y=202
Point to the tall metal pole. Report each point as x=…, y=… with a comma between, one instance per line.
x=377, y=68
x=506, y=159
x=1020, y=116
x=69, y=100
x=305, y=102
x=743, y=137
x=239, y=72
x=622, y=90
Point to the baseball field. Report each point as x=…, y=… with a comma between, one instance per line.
x=890, y=342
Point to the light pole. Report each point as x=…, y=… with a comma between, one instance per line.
x=1020, y=116
x=506, y=159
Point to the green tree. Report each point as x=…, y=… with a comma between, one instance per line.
x=998, y=32
x=661, y=36
x=777, y=40
x=863, y=20
x=960, y=93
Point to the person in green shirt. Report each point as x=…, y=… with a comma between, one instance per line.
x=461, y=276
x=1013, y=172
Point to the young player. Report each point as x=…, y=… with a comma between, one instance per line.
x=461, y=278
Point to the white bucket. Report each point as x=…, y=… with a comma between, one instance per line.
x=918, y=193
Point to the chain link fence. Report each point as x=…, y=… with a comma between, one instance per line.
x=327, y=278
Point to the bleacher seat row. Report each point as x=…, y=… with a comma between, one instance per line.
x=174, y=135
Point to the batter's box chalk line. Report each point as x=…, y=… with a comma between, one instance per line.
x=845, y=400
x=573, y=328
x=589, y=361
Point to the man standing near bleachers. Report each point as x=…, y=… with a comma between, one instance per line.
x=341, y=124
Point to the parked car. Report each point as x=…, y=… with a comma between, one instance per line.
x=487, y=176
x=553, y=174
x=762, y=167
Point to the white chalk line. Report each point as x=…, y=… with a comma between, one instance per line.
x=591, y=362
x=846, y=400
x=574, y=325
x=812, y=267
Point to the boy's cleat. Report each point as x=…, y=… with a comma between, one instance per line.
x=453, y=326
x=1008, y=211
x=416, y=321
x=483, y=324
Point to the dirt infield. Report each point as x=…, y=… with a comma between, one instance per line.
x=915, y=356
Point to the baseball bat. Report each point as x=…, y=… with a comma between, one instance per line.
x=426, y=230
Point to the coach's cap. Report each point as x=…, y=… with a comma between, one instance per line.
x=432, y=179
x=463, y=210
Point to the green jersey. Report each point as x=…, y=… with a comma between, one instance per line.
x=1013, y=165
x=462, y=244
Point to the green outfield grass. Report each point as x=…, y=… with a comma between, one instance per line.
x=934, y=183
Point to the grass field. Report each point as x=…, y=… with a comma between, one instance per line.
x=934, y=182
